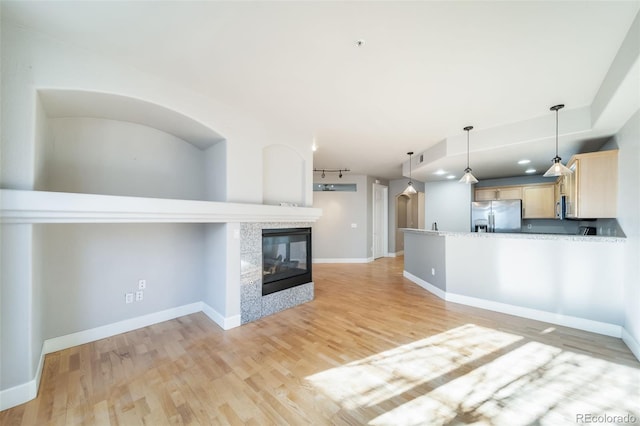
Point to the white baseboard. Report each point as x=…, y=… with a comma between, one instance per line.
x=19, y=394
x=224, y=323
x=27, y=391
x=631, y=343
x=599, y=327
x=86, y=336
x=426, y=285
x=519, y=311
x=24, y=392
x=344, y=260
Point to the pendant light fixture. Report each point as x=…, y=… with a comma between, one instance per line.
x=410, y=189
x=468, y=178
x=557, y=168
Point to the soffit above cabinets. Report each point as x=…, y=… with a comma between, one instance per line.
x=495, y=152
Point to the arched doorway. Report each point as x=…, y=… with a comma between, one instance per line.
x=409, y=214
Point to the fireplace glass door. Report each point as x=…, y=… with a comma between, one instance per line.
x=286, y=258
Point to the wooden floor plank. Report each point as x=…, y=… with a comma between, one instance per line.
x=371, y=348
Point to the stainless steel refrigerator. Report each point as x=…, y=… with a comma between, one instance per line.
x=496, y=216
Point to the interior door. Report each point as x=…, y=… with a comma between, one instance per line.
x=380, y=221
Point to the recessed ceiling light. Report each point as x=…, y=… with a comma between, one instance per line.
x=440, y=172
x=530, y=171
x=524, y=161
x=451, y=177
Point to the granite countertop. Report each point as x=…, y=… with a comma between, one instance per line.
x=518, y=235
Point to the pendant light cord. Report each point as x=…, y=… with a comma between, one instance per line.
x=556, y=132
x=467, y=129
x=556, y=108
x=467, y=149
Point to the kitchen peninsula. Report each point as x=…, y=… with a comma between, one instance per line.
x=569, y=280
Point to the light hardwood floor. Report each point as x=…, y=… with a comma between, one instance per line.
x=372, y=348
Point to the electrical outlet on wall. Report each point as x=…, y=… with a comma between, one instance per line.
x=142, y=284
x=139, y=295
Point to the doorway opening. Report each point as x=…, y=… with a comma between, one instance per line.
x=409, y=214
x=380, y=221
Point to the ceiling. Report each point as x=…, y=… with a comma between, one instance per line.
x=422, y=71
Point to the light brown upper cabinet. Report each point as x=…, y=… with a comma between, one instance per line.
x=538, y=201
x=499, y=193
x=592, y=189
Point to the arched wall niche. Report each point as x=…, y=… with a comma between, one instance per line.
x=111, y=144
x=283, y=175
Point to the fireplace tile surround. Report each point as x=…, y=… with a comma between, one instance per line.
x=253, y=305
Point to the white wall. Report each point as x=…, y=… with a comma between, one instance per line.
x=216, y=172
x=333, y=235
x=31, y=61
x=628, y=141
x=449, y=205
x=580, y=279
x=370, y=181
x=17, y=303
x=283, y=176
x=97, y=156
x=334, y=238
x=86, y=269
x=42, y=145
x=426, y=258
x=222, y=269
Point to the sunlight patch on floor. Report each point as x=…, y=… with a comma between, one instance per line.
x=477, y=375
x=382, y=376
x=534, y=384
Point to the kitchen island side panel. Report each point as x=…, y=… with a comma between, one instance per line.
x=427, y=260
x=568, y=277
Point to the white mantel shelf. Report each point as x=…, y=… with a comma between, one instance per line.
x=23, y=207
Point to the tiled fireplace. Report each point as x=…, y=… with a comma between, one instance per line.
x=253, y=305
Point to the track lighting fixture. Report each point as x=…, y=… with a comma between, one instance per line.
x=325, y=171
